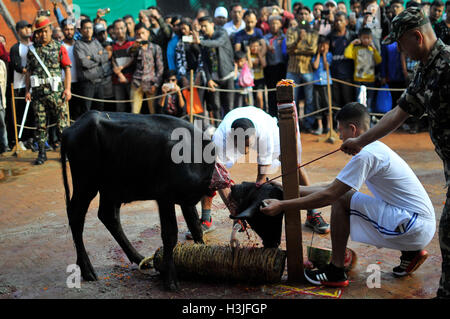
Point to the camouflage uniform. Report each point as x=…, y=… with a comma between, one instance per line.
x=47, y=102
x=429, y=92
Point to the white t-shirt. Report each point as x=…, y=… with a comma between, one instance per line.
x=73, y=69
x=19, y=78
x=389, y=178
x=231, y=29
x=267, y=142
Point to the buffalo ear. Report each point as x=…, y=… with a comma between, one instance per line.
x=246, y=214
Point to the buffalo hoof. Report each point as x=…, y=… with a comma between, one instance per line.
x=172, y=286
x=87, y=272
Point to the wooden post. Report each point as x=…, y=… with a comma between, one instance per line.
x=289, y=164
x=331, y=136
x=16, y=149
x=191, y=96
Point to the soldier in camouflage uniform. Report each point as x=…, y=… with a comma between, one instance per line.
x=428, y=92
x=49, y=102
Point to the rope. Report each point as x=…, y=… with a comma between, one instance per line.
x=298, y=167
x=368, y=88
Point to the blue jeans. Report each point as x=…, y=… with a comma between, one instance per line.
x=299, y=78
x=3, y=133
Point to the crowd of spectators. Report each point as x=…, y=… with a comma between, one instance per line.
x=241, y=50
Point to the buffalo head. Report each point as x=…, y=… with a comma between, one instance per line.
x=248, y=199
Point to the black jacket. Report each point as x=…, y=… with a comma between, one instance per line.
x=225, y=54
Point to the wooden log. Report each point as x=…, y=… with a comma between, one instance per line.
x=289, y=163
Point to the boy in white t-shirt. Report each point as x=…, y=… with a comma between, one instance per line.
x=398, y=216
x=250, y=127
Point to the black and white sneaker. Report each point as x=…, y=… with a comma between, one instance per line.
x=330, y=276
x=409, y=262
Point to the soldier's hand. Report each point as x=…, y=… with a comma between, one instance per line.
x=28, y=97
x=67, y=95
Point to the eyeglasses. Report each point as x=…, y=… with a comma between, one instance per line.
x=173, y=80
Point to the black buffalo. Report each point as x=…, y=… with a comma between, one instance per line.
x=125, y=158
x=248, y=199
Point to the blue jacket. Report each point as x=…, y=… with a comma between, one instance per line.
x=391, y=65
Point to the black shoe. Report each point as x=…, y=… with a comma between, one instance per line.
x=330, y=276
x=42, y=157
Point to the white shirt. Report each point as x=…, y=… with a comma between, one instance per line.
x=389, y=178
x=73, y=69
x=267, y=135
x=19, y=78
x=230, y=27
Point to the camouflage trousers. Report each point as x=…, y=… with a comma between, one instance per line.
x=49, y=108
x=444, y=241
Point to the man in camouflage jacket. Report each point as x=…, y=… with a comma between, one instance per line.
x=49, y=100
x=428, y=92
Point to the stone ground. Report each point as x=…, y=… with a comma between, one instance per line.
x=36, y=242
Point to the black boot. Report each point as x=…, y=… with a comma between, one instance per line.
x=42, y=156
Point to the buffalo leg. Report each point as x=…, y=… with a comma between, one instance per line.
x=193, y=222
x=109, y=214
x=76, y=212
x=169, y=234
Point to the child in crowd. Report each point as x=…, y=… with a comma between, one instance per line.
x=363, y=52
x=241, y=61
x=172, y=104
x=257, y=63
x=321, y=62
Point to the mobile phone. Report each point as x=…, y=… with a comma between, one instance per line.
x=352, y=16
x=187, y=38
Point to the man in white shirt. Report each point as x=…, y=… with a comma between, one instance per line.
x=236, y=23
x=250, y=127
x=398, y=216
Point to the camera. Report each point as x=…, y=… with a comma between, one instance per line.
x=325, y=13
x=45, y=13
x=187, y=38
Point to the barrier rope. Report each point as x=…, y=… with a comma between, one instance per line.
x=223, y=90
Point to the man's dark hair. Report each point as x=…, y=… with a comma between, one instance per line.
x=175, y=18
x=139, y=26
x=249, y=12
x=340, y=13
x=242, y=123
x=169, y=73
x=187, y=21
x=83, y=22
x=323, y=39
x=447, y=4
x=236, y=4
x=155, y=8
x=204, y=10
x=305, y=8
x=317, y=3
x=365, y=31
x=437, y=3
x=206, y=18
x=354, y=113
x=118, y=21
x=354, y=1
x=127, y=16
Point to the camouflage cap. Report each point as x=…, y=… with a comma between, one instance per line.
x=408, y=19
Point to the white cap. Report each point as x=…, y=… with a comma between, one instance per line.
x=331, y=2
x=221, y=12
